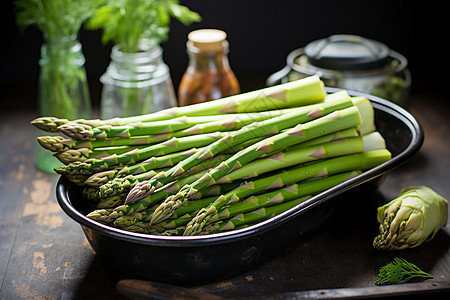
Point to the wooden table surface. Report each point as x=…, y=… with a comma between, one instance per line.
x=44, y=254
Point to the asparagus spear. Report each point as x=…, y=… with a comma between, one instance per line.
x=223, y=123
x=366, y=127
x=306, y=154
x=257, y=129
x=118, y=219
x=143, y=228
x=132, y=219
x=173, y=227
x=292, y=94
x=328, y=167
x=155, y=162
x=207, y=196
x=166, y=190
x=307, y=113
x=124, y=184
x=362, y=161
x=332, y=137
x=59, y=143
x=250, y=218
x=286, y=193
x=91, y=166
x=182, y=124
x=111, y=202
x=55, y=143
x=240, y=120
x=367, y=114
x=83, y=154
x=335, y=121
x=79, y=172
x=50, y=124
x=101, y=215
x=262, y=207
x=162, y=192
x=184, y=214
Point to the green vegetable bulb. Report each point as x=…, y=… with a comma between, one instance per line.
x=412, y=218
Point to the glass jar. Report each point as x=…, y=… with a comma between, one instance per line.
x=208, y=75
x=62, y=88
x=136, y=83
x=351, y=62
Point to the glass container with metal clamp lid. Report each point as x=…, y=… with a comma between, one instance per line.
x=350, y=62
x=208, y=75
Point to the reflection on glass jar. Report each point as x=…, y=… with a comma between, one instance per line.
x=136, y=83
x=351, y=62
x=63, y=89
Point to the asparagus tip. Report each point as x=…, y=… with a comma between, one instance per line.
x=77, y=131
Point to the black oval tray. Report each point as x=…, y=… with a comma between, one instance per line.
x=202, y=259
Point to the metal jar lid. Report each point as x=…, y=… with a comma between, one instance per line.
x=345, y=52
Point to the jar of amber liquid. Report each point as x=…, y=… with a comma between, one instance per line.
x=208, y=75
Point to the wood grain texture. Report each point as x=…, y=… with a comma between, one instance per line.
x=43, y=253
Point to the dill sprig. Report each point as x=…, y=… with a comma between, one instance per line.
x=399, y=271
x=126, y=22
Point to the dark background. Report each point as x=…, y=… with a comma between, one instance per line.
x=261, y=35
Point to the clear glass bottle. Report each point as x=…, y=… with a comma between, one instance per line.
x=208, y=75
x=136, y=83
x=63, y=90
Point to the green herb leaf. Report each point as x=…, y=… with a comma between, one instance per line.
x=62, y=18
x=399, y=271
x=127, y=22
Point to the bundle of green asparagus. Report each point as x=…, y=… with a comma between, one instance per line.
x=218, y=165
